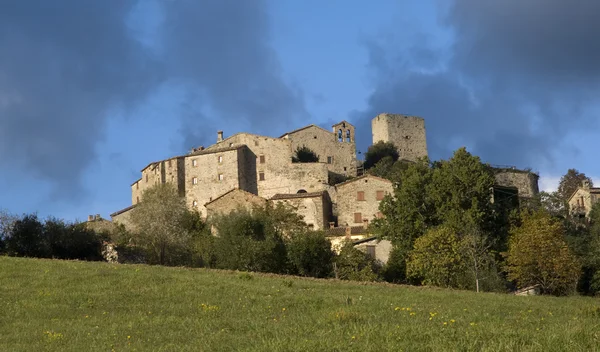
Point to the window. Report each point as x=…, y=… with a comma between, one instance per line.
x=231, y=144
x=195, y=203
x=220, y=158
x=371, y=250
x=169, y=164
x=344, y=168
x=340, y=136
x=261, y=176
x=194, y=162
x=137, y=185
x=256, y=143
x=380, y=195
x=137, y=199
x=262, y=159
x=220, y=177
x=357, y=218
x=146, y=177
x=360, y=195
x=195, y=180
x=347, y=135
x=329, y=160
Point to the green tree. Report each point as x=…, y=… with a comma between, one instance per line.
x=461, y=190
x=26, y=238
x=569, y=183
x=406, y=215
x=305, y=155
x=352, y=264
x=539, y=255
x=437, y=258
x=379, y=151
x=553, y=203
x=158, y=221
x=250, y=241
x=389, y=169
x=311, y=255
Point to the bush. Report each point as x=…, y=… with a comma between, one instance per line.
x=26, y=238
x=352, y=264
x=305, y=155
x=311, y=255
x=379, y=151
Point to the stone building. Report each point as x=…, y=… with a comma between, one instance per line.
x=406, y=132
x=524, y=182
x=337, y=149
x=233, y=200
x=358, y=199
x=123, y=216
x=315, y=207
x=582, y=200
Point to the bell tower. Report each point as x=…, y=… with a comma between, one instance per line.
x=344, y=132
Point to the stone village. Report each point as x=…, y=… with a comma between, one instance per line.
x=246, y=169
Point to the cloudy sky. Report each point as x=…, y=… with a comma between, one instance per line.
x=92, y=91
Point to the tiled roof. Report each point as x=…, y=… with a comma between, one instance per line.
x=297, y=195
x=123, y=210
x=230, y=191
x=217, y=150
x=303, y=128
x=341, y=231
x=360, y=178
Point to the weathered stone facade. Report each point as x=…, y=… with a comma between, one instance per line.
x=123, y=216
x=336, y=149
x=526, y=182
x=407, y=133
x=378, y=250
x=170, y=170
x=358, y=199
x=582, y=200
x=233, y=200
x=315, y=208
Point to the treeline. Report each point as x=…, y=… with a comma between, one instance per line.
x=450, y=228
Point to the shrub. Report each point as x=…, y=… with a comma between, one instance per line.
x=310, y=254
x=352, y=264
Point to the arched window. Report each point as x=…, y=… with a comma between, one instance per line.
x=347, y=135
x=340, y=136
x=302, y=191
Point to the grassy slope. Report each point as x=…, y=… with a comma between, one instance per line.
x=80, y=306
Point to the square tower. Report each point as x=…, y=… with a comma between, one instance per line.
x=406, y=132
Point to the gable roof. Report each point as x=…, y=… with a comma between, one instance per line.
x=217, y=150
x=304, y=128
x=297, y=195
x=341, y=231
x=341, y=122
x=231, y=191
x=591, y=190
x=123, y=210
x=361, y=177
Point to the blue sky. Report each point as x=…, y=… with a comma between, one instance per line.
x=92, y=92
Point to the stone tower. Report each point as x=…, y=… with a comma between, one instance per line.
x=407, y=133
x=344, y=131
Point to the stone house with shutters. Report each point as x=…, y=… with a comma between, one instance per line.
x=358, y=199
x=582, y=200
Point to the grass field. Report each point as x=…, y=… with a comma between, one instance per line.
x=48, y=305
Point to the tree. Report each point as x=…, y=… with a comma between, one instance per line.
x=569, y=183
x=553, y=203
x=389, y=169
x=437, y=259
x=378, y=151
x=539, y=255
x=305, y=155
x=7, y=221
x=352, y=264
x=26, y=238
x=158, y=223
x=460, y=189
x=72, y=241
x=311, y=255
x=407, y=215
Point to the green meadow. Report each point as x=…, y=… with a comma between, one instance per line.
x=52, y=305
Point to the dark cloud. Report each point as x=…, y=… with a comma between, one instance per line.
x=66, y=64
x=220, y=51
x=516, y=79
x=63, y=65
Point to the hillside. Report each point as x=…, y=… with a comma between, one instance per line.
x=75, y=306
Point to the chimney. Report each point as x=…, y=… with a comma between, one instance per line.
x=219, y=136
x=331, y=224
x=348, y=232
x=90, y=217
x=98, y=217
x=201, y=147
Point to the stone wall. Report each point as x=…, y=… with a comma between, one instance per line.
x=170, y=170
x=526, y=182
x=583, y=199
x=381, y=249
x=315, y=208
x=340, y=156
x=123, y=217
x=233, y=200
x=348, y=203
x=210, y=174
x=407, y=133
